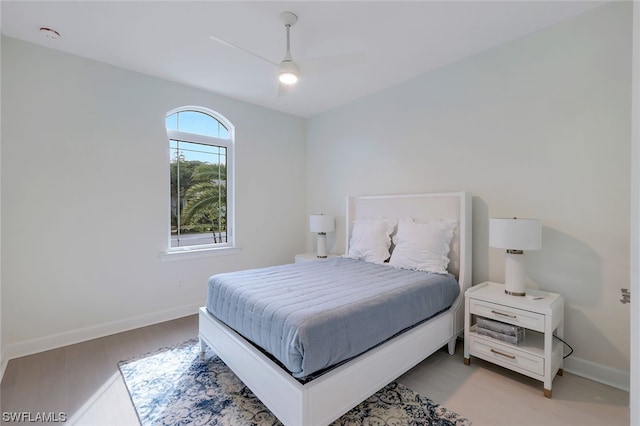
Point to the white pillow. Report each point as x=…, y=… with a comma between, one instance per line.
x=370, y=240
x=423, y=246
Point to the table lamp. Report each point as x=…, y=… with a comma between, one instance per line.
x=321, y=223
x=515, y=235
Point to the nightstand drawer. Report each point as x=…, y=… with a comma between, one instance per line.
x=527, y=319
x=505, y=355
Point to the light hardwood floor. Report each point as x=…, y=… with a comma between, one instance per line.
x=83, y=381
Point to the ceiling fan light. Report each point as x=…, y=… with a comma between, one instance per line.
x=289, y=72
x=287, y=77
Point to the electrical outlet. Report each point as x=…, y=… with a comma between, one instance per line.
x=626, y=296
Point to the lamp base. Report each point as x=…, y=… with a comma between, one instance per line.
x=321, y=252
x=514, y=273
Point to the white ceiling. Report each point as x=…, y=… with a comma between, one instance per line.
x=357, y=47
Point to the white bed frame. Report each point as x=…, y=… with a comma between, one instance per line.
x=326, y=398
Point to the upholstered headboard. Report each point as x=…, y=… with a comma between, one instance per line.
x=430, y=207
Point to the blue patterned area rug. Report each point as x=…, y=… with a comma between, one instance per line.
x=174, y=386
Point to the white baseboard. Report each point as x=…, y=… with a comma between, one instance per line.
x=29, y=347
x=3, y=364
x=598, y=372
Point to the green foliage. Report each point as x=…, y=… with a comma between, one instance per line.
x=200, y=190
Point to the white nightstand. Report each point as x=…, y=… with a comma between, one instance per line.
x=309, y=257
x=539, y=355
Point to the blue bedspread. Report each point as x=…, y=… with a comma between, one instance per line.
x=313, y=315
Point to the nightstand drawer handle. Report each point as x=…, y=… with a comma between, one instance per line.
x=503, y=354
x=503, y=314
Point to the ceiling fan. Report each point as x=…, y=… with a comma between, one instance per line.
x=288, y=69
x=289, y=72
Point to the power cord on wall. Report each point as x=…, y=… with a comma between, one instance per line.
x=570, y=348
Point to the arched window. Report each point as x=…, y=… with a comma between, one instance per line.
x=201, y=167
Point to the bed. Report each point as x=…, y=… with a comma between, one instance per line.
x=319, y=394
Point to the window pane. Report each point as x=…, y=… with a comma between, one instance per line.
x=172, y=122
x=197, y=123
x=198, y=194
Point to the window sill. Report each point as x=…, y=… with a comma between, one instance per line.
x=170, y=256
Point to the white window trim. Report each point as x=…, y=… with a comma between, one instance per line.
x=202, y=139
x=190, y=252
x=196, y=252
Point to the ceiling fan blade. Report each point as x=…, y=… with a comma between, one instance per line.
x=283, y=89
x=330, y=63
x=235, y=46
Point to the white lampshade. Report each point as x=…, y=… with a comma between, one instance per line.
x=515, y=234
x=321, y=223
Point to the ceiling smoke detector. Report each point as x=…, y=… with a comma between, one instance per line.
x=49, y=33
